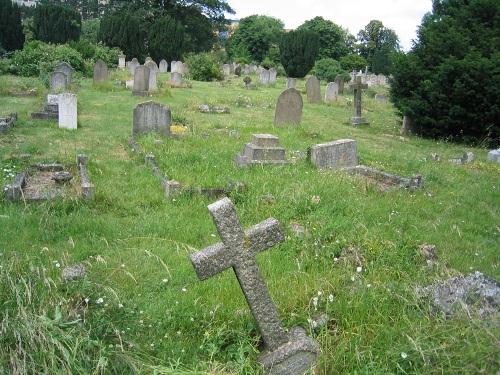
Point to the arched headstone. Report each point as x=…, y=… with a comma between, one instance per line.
x=289, y=108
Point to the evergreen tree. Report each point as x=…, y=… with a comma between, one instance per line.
x=166, y=38
x=11, y=31
x=56, y=23
x=299, y=50
x=376, y=44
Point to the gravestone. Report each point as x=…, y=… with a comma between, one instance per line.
x=331, y=93
x=358, y=87
x=264, y=149
x=494, y=155
x=132, y=65
x=340, y=82
x=141, y=81
x=151, y=117
x=153, y=74
x=121, y=61
x=273, y=73
x=176, y=79
x=173, y=66
x=66, y=69
x=67, y=111
x=226, y=69
x=381, y=98
x=291, y=83
x=334, y=155
x=237, y=70
x=163, y=67
x=148, y=59
x=100, y=71
x=406, y=126
x=58, y=82
x=313, y=90
x=289, y=108
x=264, y=77
x=290, y=353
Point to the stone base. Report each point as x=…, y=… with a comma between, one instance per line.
x=355, y=121
x=243, y=161
x=44, y=116
x=293, y=358
x=140, y=93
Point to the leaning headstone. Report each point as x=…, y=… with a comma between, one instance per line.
x=141, y=81
x=331, y=93
x=340, y=82
x=58, y=82
x=291, y=83
x=358, y=87
x=291, y=353
x=313, y=90
x=289, y=108
x=132, y=65
x=152, y=117
x=264, y=149
x=334, y=155
x=67, y=111
x=153, y=74
x=264, y=77
x=121, y=61
x=494, y=155
x=273, y=73
x=176, y=79
x=100, y=71
x=66, y=69
x=163, y=67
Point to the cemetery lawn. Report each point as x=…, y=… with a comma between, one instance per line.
x=141, y=308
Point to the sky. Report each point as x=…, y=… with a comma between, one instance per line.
x=403, y=16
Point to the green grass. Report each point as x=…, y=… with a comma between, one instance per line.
x=157, y=318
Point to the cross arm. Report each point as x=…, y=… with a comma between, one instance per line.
x=263, y=236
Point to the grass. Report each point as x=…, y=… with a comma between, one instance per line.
x=157, y=318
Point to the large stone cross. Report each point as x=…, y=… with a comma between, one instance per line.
x=286, y=353
x=358, y=87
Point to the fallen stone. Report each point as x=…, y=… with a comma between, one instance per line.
x=75, y=272
x=62, y=177
x=298, y=230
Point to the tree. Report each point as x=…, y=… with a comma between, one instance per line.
x=377, y=42
x=56, y=23
x=449, y=83
x=299, y=50
x=11, y=31
x=353, y=62
x=254, y=37
x=328, y=69
x=165, y=39
x=334, y=41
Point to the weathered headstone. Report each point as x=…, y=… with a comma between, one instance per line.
x=289, y=108
x=68, y=111
x=358, y=87
x=151, y=117
x=340, y=82
x=132, y=65
x=264, y=77
x=273, y=73
x=494, y=155
x=381, y=98
x=58, y=82
x=331, y=93
x=176, y=79
x=100, y=71
x=153, y=74
x=148, y=59
x=290, y=353
x=313, y=90
x=291, y=83
x=237, y=70
x=66, y=69
x=173, y=67
x=121, y=61
x=141, y=81
x=226, y=69
x=334, y=155
x=163, y=67
x=264, y=149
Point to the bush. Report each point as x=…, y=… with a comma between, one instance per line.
x=327, y=69
x=203, y=67
x=353, y=62
x=299, y=50
x=56, y=23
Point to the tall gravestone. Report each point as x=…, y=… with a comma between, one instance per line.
x=289, y=108
x=331, y=93
x=163, y=67
x=173, y=67
x=313, y=90
x=273, y=73
x=132, y=65
x=334, y=155
x=151, y=117
x=121, y=61
x=66, y=69
x=340, y=83
x=141, y=81
x=286, y=353
x=100, y=72
x=358, y=87
x=153, y=75
x=264, y=77
x=68, y=111
x=176, y=79
x=291, y=83
x=58, y=82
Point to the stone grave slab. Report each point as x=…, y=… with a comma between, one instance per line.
x=263, y=149
x=334, y=155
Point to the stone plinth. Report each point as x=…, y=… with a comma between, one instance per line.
x=264, y=149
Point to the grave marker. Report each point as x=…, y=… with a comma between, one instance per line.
x=313, y=90
x=66, y=69
x=289, y=108
x=132, y=65
x=151, y=117
x=163, y=67
x=331, y=93
x=100, y=71
x=153, y=73
x=141, y=81
x=358, y=87
x=121, y=61
x=68, y=111
x=334, y=155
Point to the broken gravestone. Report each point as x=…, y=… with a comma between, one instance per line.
x=264, y=149
x=290, y=353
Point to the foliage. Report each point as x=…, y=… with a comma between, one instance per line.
x=299, y=50
x=203, y=67
x=199, y=33
x=376, y=44
x=56, y=23
x=11, y=29
x=353, y=62
x=254, y=38
x=449, y=83
x=334, y=41
x=166, y=39
x=90, y=30
x=327, y=69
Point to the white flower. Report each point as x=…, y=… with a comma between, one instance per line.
x=330, y=298
x=404, y=355
x=165, y=280
x=120, y=306
x=320, y=292
x=368, y=285
x=99, y=301
x=184, y=289
x=359, y=269
x=352, y=278
x=335, y=259
x=87, y=300
x=315, y=303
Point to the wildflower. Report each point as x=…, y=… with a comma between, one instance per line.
x=404, y=355
x=165, y=280
x=87, y=300
x=335, y=259
x=184, y=289
x=359, y=269
x=330, y=298
x=368, y=285
x=120, y=306
x=315, y=303
x=99, y=301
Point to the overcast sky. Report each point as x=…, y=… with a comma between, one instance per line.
x=403, y=16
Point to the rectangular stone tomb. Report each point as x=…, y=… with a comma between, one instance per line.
x=50, y=110
x=286, y=353
x=386, y=180
x=264, y=149
x=334, y=155
x=6, y=122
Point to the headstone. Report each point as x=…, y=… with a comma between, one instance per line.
x=291, y=83
x=331, y=93
x=152, y=117
x=264, y=77
x=406, y=127
x=237, y=70
x=66, y=69
x=334, y=155
x=173, y=66
x=58, y=82
x=289, y=108
x=148, y=59
x=358, y=87
x=121, y=61
x=291, y=353
x=132, y=65
x=313, y=90
x=176, y=79
x=494, y=155
x=273, y=73
x=226, y=69
x=381, y=98
x=264, y=149
x=67, y=111
x=340, y=82
x=141, y=81
x=100, y=71
x=153, y=73
x=163, y=68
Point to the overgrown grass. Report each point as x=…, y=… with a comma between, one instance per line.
x=156, y=317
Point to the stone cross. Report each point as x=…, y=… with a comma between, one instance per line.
x=287, y=353
x=358, y=87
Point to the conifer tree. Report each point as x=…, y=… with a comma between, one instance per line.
x=299, y=50
x=11, y=30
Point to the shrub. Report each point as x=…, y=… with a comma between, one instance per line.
x=327, y=69
x=56, y=23
x=353, y=62
x=298, y=52
x=203, y=67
